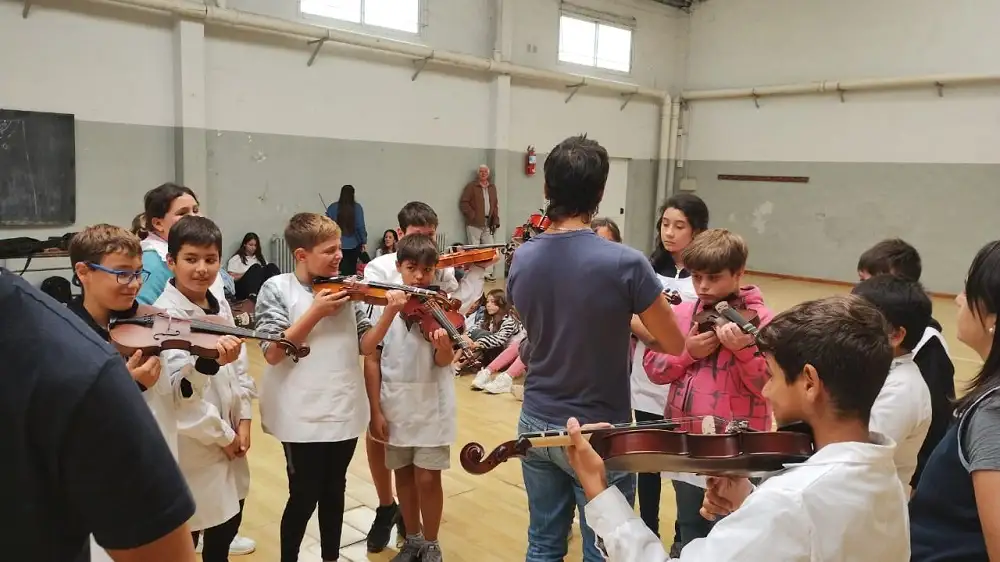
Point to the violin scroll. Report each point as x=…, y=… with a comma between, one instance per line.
x=295, y=352
x=475, y=460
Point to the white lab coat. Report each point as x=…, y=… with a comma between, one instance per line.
x=929, y=333
x=844, y=504
x=418, y=397
x=647, y=396
x=383, y=268
x=902, y=412
x=207, y=424
x=321, y=398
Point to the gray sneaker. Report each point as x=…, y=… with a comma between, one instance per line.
x=410, y=552
x=431, y=552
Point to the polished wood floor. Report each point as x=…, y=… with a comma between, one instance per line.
x=485, y=517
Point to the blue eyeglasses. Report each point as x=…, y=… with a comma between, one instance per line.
x=124, y=277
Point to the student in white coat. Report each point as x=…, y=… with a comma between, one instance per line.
x=317, y=407
x=214, y=428
x=902, y=410
x=412, y=394
x=414, y=218
x=829, y=359
x=681, y=217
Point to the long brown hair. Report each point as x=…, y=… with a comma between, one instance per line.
x=345, y=210
x=499, y=297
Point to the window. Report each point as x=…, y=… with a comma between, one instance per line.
x=593, y=43
x=401, y=15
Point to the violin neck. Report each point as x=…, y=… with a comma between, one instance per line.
x=223, y=330
x=405, y=288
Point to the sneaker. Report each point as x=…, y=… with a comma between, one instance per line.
x=411, y=551
x=431, y=552
x=518, y=391
x=385, y=517
x=400, y=532
x=482, y=379
x=500, y=385
x=242, y=546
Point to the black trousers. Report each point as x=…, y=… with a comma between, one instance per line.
x=218, y=538
x=349, y=263
x=317, y=475
x=249, y=284
x=648, y=487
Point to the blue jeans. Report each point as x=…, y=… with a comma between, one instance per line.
x=553, y=493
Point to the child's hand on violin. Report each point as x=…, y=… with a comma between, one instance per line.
x=327, y=302
x=723, y=496
x=144, y=370
x=701, y=345
x=732, y=338
x=396, y=301
x=441, y=341
x=229, y=349
x=588, y=465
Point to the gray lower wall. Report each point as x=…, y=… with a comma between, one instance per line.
x=257, y=181
x=819, y=229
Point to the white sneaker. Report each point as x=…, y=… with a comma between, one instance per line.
x=482, y=379
x=242, y=546
x=500, y=385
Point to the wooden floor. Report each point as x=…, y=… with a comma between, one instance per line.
x=485, y=517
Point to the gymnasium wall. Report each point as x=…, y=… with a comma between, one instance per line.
x=906, y=163
x=260, y=135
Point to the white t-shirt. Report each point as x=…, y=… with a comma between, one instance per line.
x=237, y=267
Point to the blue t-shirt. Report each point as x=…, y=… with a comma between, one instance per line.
x=576, y=293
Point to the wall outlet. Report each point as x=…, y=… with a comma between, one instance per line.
x=688, y=184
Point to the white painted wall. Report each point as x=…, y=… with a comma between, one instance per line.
x=742, y=43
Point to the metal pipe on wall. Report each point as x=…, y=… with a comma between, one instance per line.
x=839, y=86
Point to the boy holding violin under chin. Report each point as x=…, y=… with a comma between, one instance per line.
x=412, y=395
x=317, y=406
x=829, y=360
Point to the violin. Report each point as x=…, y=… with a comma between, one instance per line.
x=373, y=292
x=660, y=446
x=428, y=313
x=673, y=296
x=153, y=330
x=710, y=318
x=459, y=255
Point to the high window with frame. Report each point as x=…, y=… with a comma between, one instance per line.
x=591, y=42
x=399, y=15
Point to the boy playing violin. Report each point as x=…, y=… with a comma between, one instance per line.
x=828, y=361
x=317, y=406
x=412, y=397
x=213, y=427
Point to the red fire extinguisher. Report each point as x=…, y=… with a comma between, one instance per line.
x=529, y=162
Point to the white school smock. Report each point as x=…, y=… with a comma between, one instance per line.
x=322, y=398
x=208, y=423
x=844, y=504
x=929, y=333
x=647, y=396
x=902, y=412
x=418, y=397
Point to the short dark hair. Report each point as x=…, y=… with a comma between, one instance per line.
x=894, y=256
x=609, y=224
x=845, y=338
x=904, y=304
x=156, y=203
x=416, y=213
x=575, y=174
x=418, y=248
x=193, y=230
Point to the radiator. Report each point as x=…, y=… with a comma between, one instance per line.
x=281, y=255
x=442, y=241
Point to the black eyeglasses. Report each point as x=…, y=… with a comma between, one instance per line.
x=124, y=277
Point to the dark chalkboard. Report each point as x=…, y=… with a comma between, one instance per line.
x=37, y=169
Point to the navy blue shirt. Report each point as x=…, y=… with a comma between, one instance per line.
x=576, y=293
x=81, y=452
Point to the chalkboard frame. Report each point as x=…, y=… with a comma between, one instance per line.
x=65, y=215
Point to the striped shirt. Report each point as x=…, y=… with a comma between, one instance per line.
x=508, y=328
x=272, y=312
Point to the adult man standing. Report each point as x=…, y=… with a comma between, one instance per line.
x=481, y=211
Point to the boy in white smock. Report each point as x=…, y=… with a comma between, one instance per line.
x=412, y=395
x=213, y=430
x=317, y=406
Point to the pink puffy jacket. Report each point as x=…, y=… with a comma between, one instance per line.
x=725, y=384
